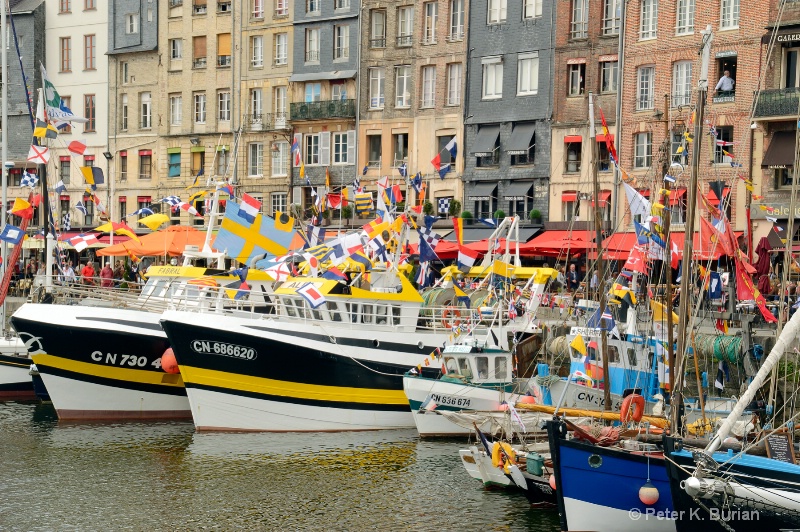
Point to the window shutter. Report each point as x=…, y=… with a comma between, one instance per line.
x=199, y=45
x=325, y=148
x=351, y=147
x=224, y=44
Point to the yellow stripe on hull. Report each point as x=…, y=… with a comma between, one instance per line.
x=316, y=392
x=109, y=372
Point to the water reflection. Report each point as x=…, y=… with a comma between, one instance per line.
x=166, y=476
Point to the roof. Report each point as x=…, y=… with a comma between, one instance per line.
x=313, y=76
x=24, y=6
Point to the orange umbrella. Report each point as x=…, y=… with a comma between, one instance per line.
x=171, y=241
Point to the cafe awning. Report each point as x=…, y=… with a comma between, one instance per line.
x=483, y=191
x=780, y=153
x=521, y=139
x=485, y=141
x=518, y=190
x=605, y=195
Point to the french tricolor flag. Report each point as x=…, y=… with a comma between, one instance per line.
x=249, y=208
x=467, y=257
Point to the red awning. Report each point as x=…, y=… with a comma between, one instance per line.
x=616, y=247
x=605, y=195
x=676, y=195
x=64, y=197
x=88, y=157
x=712, y=197
x=602, y=138
x=573, y=138
x=143, y=199
x=145, y=152
x=444, y=249
x=123, y=153
x=569, y=196
x=702, y=247
x=64, y=158
x=558, y=243
x=123, y=199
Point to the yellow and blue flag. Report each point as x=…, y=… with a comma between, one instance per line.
x=265, y=236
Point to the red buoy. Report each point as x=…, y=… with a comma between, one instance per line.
x=168, y=361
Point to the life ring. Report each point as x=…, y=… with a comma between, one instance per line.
x=497, y=457
x=451, y=317
x=625, y=414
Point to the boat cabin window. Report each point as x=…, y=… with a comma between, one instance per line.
x=380, y=314
x=500, y=367
x=352, y=309
x=451, y=365
x=463, y=366
x=613, y=354
x=333, y=309
x=482, y=364
x=367, y=315
x=395, y=315
x=631, y=356
x=315, y=313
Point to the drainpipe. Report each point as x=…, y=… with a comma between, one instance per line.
x=618, y=117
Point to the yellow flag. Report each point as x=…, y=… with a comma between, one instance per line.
x=154, y=220
x=749, y=187
x=679, y=150
x=578, y=345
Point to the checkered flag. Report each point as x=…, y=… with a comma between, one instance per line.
x=429, y=236
x=174, y=201
x=444, y=205
x=65, y=222
x=29, y=180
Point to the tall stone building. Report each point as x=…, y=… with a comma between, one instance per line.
x=662, y=66
x=586, y=60
x=411, y=87
x=322, y=93
x=508, y=106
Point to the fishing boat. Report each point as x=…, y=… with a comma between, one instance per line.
x=15, y=382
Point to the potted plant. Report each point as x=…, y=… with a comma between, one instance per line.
x=347, y=212
x=427, y=208
x=326, y=217
x=499, y=214
x=536, y=216
x=455, y=207
x=467, y=217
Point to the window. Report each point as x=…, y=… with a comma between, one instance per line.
x=174, y=164
x=576, y=79
x=145, y=164
x=685, y=19
x=531, y=9
x=199, y=58
x=341, y=42
x=497, y=12
x=400, y=146
x=681, y=83
x=403, y=86
x=278, y=200
x=643, y=150
x=88, y=218
x=727, y=88
x=256, y=105
x=175, y=49
x=280, y=159
x=377, y=79
x=609, y=71
x=456, y=20
x=579, y=28
x=312, y=45
x=124, y=117
x=527, y=73
x=279, y=97
x=603, y=161
x=428, y=86
x=223, y=50
x=444, y=153
x=67, y=102
x=311, y=148
x=490, y=158
x=255, y=159
x=89, y=112
x=341, y=4
x=681, y=156
x=343, y=147
x=649, y=19
x=198, y=162
x=454, y=83
x=492, y=77
x=312, y=6
x=89, y=4
x=132, y=23
x=338, y=90
x=224, y=106
x=147, y=111
x=123, y=207
x=374, y=150
x=281, y=49
x=258, y=9
x=66, y=54
x=612, y=10
x=405, y=17
x=89, y=52
x=257, y=51
x=123, y=166
x=123, y=68
x=175, y=110
x=64, y=170
x=200, y=108
x=784, y=177
x=377, y=38
x=570, y=205
x=431, y=10
x=724, y=143
x=644, y=89
x=223, y=160
x=313, y=92
x=143, y=202
x=281, y=8
x=729, y=14
x=88, y=160
x=65, y=6
x=574, y=155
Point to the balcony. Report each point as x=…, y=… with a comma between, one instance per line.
x=266, y=122
x=777, y=102
x=281, y=12
x=378, y=42
x=404, y=40
x=223, y=60
x=323, y=110
x=724, y=97
x=341, y=53
x=312, y=56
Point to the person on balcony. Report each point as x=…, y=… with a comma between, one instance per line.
x=725, y=85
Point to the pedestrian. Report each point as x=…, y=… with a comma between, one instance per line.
x=87, y=274
x=68, y=275
x=106, y=277
x=725, y=84
x=572, y=278
x=119, y=273
x=594, y=283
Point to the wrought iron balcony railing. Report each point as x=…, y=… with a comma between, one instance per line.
x=323, y=110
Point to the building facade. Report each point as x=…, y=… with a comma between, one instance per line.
x=508, y=107
x=411, y=88
x=322, y=95
x=586, y=61
x=660, y=97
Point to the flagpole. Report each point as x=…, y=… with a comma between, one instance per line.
x=4, y=150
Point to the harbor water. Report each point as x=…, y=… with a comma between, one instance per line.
x=166, y=476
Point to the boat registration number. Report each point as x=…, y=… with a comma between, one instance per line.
x=208, y=347
x=449, y=400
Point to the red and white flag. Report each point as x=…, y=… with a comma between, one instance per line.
x=311, y=293
x=189, y=208
x=81, y=242
x=39, y=154
x=467, y=257
x=636, y=261
x=78, y=147
x=249, y=208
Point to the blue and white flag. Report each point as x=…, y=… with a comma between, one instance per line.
x=452, y=147
x=60, y=187
x=417, y=182
x=174, y=201
x=81, y=207
x=669, y=179
x=443, y=170
x=403, y=169
x=66, y=222
x=144, y=211
x=444, y=205
x=12, y=234
x=29, y=179
x=314, y=235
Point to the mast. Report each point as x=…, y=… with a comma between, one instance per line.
x=683, y=307
x=600, y=265
x=667, y=263
x=4, y=126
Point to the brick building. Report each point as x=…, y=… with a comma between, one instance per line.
x=586, y=60
x=659, y=84
x=411, y=104
x=508, y=107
